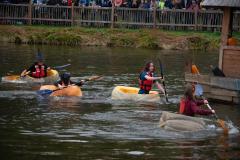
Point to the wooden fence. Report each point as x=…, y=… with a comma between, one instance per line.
x=113, y=17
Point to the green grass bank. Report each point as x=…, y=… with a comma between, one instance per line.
x=135, y=38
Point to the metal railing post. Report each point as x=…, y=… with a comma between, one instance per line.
x=154, y=14
x=112, y=14
x=72, y=14
x=195, y=20
x=30, y=12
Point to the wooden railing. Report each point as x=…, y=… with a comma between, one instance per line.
x=113, y=17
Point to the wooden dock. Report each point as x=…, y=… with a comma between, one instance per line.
x=217, y=88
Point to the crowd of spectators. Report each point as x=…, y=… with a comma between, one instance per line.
x=147, y=4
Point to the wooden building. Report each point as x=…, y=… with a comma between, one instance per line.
x=223, y=88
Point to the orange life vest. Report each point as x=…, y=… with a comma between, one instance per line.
x=182, y=106
x=146, y=84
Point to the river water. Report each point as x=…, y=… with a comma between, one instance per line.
x=94, y=126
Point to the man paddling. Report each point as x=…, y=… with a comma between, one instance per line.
x=38, y=69
x=65, y=80
x=147, y=79
x=189, y=106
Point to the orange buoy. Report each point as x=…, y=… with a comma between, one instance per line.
x=232, y=41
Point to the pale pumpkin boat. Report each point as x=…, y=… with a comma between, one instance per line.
x=131, y=94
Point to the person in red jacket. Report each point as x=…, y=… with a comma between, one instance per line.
x=190, y=107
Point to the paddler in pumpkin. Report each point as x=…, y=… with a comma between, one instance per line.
x=65, y=80
x=38, y=69
x=189, y=106
x=147, y=79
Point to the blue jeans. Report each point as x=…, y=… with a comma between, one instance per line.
x=141, y=91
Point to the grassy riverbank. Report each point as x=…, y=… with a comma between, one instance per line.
x=145, y=38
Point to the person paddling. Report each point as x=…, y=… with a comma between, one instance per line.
x=147, y=79
x=189, y=106
x=38, y=69
x=65, y=80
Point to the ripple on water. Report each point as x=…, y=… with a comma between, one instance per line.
x=135, y=153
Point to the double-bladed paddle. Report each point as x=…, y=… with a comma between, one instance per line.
x=47, y=92
x=60, y=67
x=164, y=86
x=220, y=122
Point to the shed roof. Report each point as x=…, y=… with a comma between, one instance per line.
x=221, y=3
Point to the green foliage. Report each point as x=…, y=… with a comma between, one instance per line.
x=142, y=38
x=147, y=41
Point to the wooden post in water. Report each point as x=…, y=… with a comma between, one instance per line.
x=225, y=25
x=195, y=19
x=72, y=14
x=112, y=14
x=154, y=14
x=30, y=12
x=225, y=32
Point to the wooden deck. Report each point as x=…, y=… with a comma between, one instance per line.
x=217, y=88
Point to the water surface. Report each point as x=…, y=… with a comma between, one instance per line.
x=95, y=127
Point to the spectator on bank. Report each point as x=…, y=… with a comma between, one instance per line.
x=39, y=2
x=161, y=4
x=5, y=1
x=178, y=4
x=83, y=3
x=93, y=4
x=194, y=6
x=135, y=4
x=54, y=2
x=144, y=4
x=169, y=4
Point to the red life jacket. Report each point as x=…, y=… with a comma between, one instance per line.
x=40, y=71
x=182, y=106
x=146, y=84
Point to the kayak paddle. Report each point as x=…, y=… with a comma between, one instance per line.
x=164, y=86
x=60, y=67
x=220, y=122
x=46, y=92
x=198, y=90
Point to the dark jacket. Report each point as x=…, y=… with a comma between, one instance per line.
x=192, y=108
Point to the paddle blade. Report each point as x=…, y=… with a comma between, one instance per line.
x=93, y=78
x=60, y=67
x=223, y=125
x=44, y=92
x=198, y=90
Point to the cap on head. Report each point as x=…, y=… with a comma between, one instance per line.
x=39, y=57
x=65, y=78
x=65, y=75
